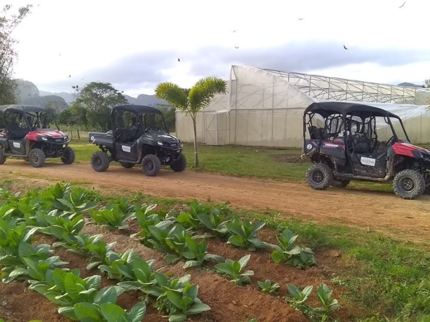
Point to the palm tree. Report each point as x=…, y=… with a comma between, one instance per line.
x=192, y=100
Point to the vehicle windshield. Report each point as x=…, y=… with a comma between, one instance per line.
x=154, y=122
x=41, y=120
x=400, y=132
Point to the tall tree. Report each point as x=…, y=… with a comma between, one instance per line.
x=193, y=100
x=98, y=99
x=8, y=23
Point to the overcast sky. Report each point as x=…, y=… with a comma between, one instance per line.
x=136, y=44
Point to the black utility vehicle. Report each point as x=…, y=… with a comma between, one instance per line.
x=343, y=145
x=139, y=135
x=25, y=132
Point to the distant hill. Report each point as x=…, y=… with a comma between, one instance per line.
x=142, y=99
x=28, y=93
x=406, y=84
x=68, y=97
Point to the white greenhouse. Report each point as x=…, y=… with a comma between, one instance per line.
x=265, y=107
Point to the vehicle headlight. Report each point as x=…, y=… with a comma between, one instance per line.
x=44, y=138
x=160, y=143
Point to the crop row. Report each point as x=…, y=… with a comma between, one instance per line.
x=59, y=212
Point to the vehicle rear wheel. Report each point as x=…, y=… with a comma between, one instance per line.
x=340, y=183
x=36, y=158
x=100, y=161
x=2, y=156
x=409, y=184
x=180, y=164
x=127, y=165
x=319, y=176
x=151, y=165
x=68, y=156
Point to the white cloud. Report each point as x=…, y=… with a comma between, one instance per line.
x=95, y=34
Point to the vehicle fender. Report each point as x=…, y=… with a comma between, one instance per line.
x=141, y=143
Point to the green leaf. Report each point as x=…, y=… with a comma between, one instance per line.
x=171, y=259
x=87, y=312
x=244, y=261
x=73, y=285
x=198, y=308
x=277, y=256
x=112, y=312
x=192, y=263
x=237, y=240
x=68, y=312
x=137, y=312
x=175, y=299
x=177, y=318
x=107, y=294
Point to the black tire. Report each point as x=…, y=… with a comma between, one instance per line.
x=151, y=165
x=409, y=184
x=319, y=176
x=100, y=161
x=180, y=164
x=36, y=157
x=127, y=165
x=2, y=156
x=340, y=183
x=68, y=156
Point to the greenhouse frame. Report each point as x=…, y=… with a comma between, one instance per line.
x=265, y=107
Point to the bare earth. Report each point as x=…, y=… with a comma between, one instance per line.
x=370, y=210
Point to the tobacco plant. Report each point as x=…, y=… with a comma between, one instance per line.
x=178, y=298
x=63, y=228
x=288, y=252
x=244, y=234
x=93, y=248
x=121, y=266
x=71, y=200
x=143, y=278
x=233, y=269
x=147, y=216
x=114, y=215
x=198, y=253
x=215, y=222
x=300, y=297
x=268, y=286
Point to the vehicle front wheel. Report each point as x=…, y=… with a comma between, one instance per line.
x=319, y=176
x=100, y=161
x=409, y=184
x=36, y=158
x=151, y=165
x=340, y=183
x=2, y=156
x=180, y=164
x=68, y=156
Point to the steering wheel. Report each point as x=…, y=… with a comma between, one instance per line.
x=389, y=142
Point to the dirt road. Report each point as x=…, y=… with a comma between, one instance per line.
x=370, y=210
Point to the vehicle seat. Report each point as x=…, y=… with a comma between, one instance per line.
x=361, y=144
x=124, y=135
x=15, y=132
x=317, y=133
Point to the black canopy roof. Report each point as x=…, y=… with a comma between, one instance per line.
x=22, y=108
x=138, y=109
x=329, y=108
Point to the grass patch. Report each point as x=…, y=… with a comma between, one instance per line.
x=230, y=160
x=386, y=276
